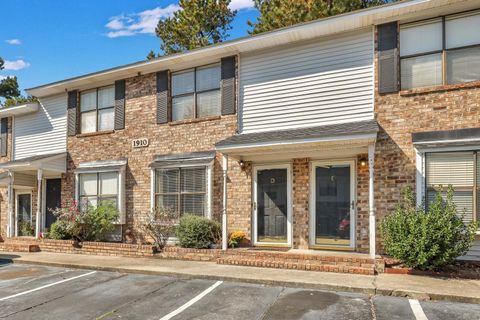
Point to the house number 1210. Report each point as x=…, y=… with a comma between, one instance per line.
x=140, y=143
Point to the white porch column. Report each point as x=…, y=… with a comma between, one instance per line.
x=39, y=203
x=224, y=208
x=11, y=218
x=371, y=200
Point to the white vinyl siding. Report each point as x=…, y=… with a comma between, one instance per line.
x=42, y=132
x=312, y=84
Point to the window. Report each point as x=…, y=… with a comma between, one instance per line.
x=97, y=109
x=462, y=171
x=440, y=51
x=98, y=188
x=196, y=93
x=183, y=190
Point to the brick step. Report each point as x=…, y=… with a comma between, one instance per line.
x=9, y=246
x=303, y=265
x=313, y=258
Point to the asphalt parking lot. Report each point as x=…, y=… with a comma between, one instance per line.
x=40, y=292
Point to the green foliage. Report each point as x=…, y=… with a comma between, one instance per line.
x=92, y=224
x=61, y=230
x=18, y=100
x=197, y=232
x=8, y=85
x=427, y=240
x=197, y=24
x=236, y=238
x=26, y=229
x=151, y=55
x=98, y=222
x=159, y=225
x=276, y=14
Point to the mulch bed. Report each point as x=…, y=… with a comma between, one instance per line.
x=459, y=270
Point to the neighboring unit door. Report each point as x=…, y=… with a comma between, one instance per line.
x=272, y=205
x=52, y=200
x=333, y=214
x=24, y=214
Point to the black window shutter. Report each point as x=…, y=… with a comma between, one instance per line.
x=4, y=137
x=163, y=101
x=119, y=104
x=228, y=84
x=388, y=58
x=72, y=112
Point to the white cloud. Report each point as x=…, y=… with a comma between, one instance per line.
x=146, y=21
x=13, y=41
x=241, y=4
x=142, y=22
x=15, y=64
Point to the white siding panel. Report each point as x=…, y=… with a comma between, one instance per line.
x=317, y=83
x=42, y=132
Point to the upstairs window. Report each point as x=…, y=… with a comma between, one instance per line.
x=440, y=51
x=182, y=190
x=97, y=109
x=196, y=93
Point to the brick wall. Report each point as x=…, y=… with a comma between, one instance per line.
x=399, y=115
x=176, y=137
x=3, y=190
x=301, y=194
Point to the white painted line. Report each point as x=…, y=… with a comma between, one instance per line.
x=191, y=302
x=46, y=286
x=417, y=309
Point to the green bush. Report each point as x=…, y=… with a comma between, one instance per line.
x=61, y=230
x=427, y=240
x=197, y=232
x=26, y=228
x=98, y=222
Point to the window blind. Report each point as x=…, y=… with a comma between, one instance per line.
x=456, y=169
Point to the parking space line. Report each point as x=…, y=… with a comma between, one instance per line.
x=46, y=286
x=191, y=302
x=417, y=309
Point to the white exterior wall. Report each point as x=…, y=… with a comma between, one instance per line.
x=321, y=82
x=42, y=132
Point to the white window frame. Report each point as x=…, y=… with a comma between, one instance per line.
x=121, y=189
x=257, y=168
x=421, y=179
x=208, y=188
x=18, y=193
x=353, y=197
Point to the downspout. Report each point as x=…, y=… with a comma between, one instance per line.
x=39, y=203
x=371, y=201
x=224, y=208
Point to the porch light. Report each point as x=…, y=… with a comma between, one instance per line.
x=242, y=164
x=363, y=162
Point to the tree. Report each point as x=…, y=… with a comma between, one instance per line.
x=9, y=85
x=197, y=24
x=276, y=14
x=151, y=55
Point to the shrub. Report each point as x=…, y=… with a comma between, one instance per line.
x=159, y=225
x=236, y=238
x=197, y=232
x=26, y=228
x=427, y=240
x=61, y=230
x=98, y=222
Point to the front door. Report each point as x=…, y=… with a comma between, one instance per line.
x=333, y=198
x=24, y=215
x=52, y=200
x=272, y=205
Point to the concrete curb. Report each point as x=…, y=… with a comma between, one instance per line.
x=293, y=284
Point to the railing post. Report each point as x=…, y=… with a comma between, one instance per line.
x=371, y=201
x=224, y=208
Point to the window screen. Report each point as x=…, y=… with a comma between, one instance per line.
x=182, y=190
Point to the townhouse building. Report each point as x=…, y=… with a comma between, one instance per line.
x=302, y=138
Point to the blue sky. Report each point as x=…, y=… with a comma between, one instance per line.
x=48, y=40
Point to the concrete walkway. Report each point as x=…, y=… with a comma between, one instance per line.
x=417, y=287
